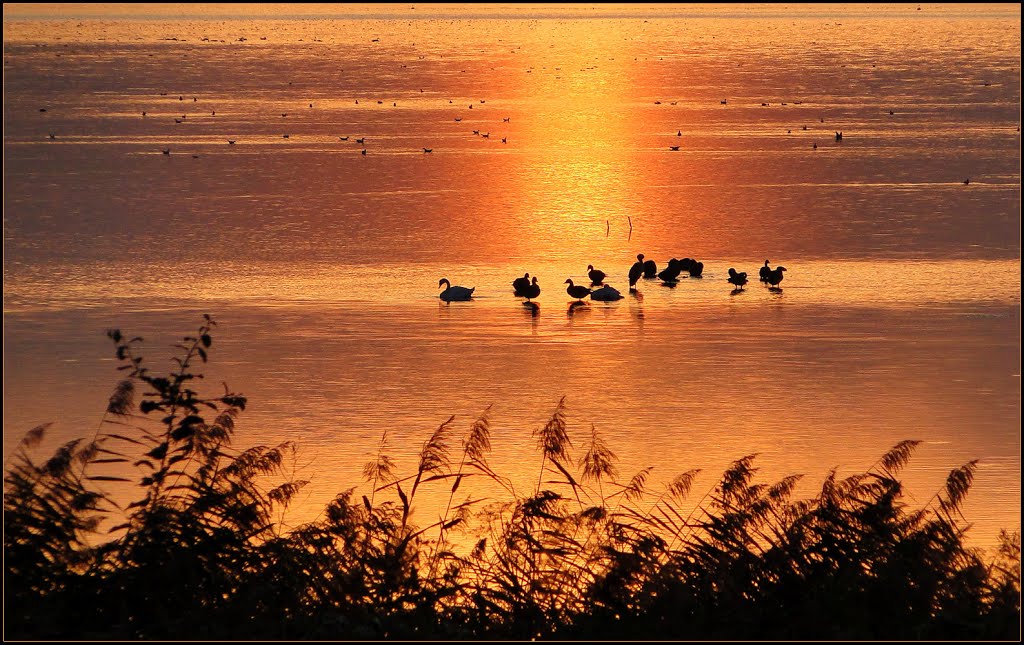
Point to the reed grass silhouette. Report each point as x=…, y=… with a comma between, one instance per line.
x=582, y=554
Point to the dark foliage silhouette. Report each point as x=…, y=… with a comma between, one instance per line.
x=580, y=554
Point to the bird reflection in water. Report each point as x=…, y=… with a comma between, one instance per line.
x=577, y=306
x=637, y=308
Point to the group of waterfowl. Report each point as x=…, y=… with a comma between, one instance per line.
x=769, y=275
x=527, y=287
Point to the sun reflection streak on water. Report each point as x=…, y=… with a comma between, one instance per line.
x=898, y=316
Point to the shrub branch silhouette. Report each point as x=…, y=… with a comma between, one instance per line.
x=197, y=553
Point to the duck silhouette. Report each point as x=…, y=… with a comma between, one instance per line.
x=671, y=272
x=650, y=269
x=454, y=293
x=765, y=270
x=520, y=283
x=531, y=290
x=606, y=293
x=577, y=291
x=774, y=276
x=596, y=276
x=739, y=279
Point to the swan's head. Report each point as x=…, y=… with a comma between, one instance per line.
x=568, y=282
x=766, y=262
x=443, y=281
x=780, y=269
x=526, y=275
x=534, y=279
x=590, y=267
x=640, y=257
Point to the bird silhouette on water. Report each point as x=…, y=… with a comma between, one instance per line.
x=775, y=276
x=454, y=293
x=737, y=278
x=765, y=270
x=695, y=268
x=670, y=274
x=519, y=284
x=650, y=269
x=532, y=290
x=596, y=275
x=606, y=293
x=636, y=271
x=577, y=291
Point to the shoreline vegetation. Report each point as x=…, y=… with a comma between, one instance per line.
x=583, y=554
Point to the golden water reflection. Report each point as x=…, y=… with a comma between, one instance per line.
x=898, y=317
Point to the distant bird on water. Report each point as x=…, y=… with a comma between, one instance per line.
x=966, y=181
x=605, y=293
x=672, y=271
x=673, y=147
x=596, y=275
x=738, y=279
x=166, y=151
x=577, y=291
x=765, y=270
x=531, y=290
x=428, y=150
x=519, y=284
x=650, y=269
x=636, y=271
x=775, y=276
x=454, y=293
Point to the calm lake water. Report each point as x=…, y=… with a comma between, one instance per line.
x=899, y=315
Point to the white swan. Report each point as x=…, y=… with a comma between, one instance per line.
x=605, y=293
x=454, y=293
